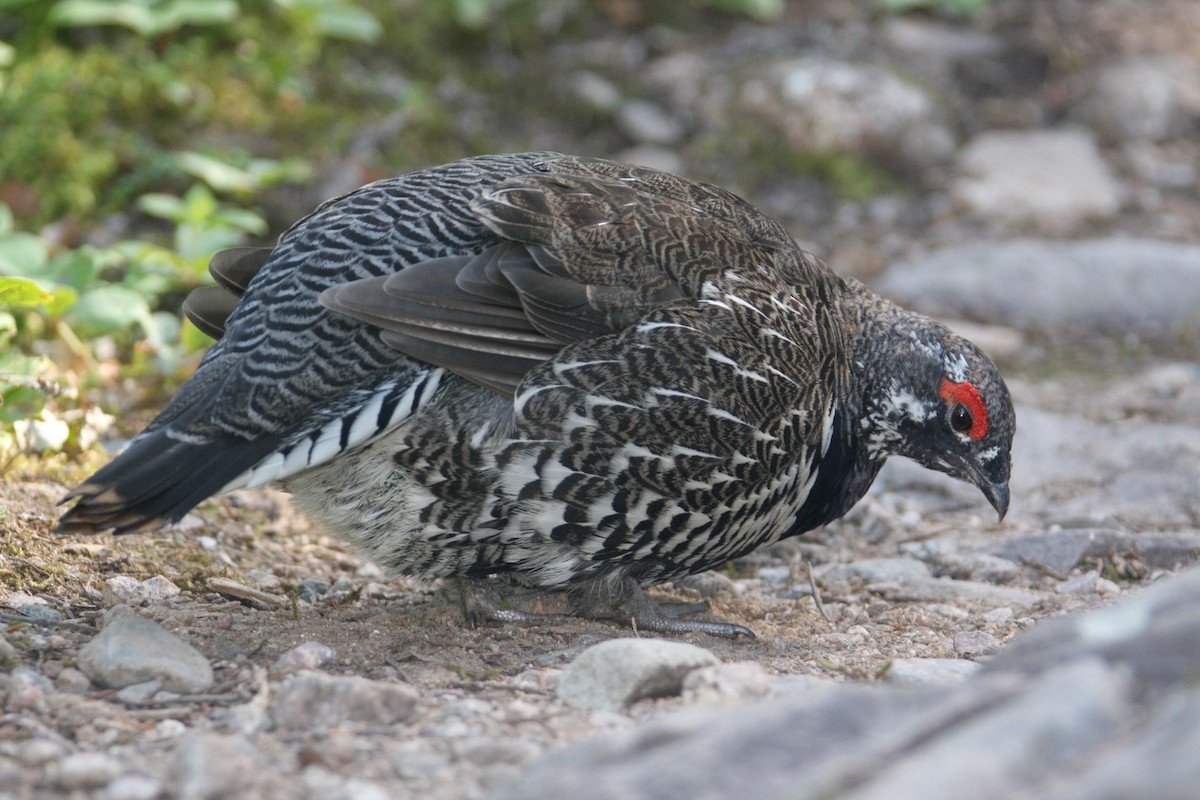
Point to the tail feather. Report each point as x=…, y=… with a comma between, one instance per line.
x=156, y=481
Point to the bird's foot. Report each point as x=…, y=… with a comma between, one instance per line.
x=616, y=599
x=482, y=602
x=623, y=600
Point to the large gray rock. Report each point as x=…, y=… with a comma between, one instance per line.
x=1096, y=705
x=132, y=649
x=1058, y=552
x=1140, y=474
x=1158, y=761
x=1006, y=748
x=1153, y=636
x=1115, y=285
x=1053, y=179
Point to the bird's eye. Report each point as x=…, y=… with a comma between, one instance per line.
x=961, y=419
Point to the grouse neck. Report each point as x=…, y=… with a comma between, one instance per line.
x=892, y=356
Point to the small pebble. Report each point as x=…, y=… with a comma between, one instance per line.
x=615, y=674
x=307, y=656
x=1002, y=614
x=930, y=671
x=169, y=729
x=139, y=693
x=27, y=690
x=36, y=752
x=775, y=576
x=313, y=700
x=72, y=680
x=312, y=589
x=974, y=644
x=132, y=649
x=522, y=710
x=994, y=569
x=82, y=771
x=543, y=679
x=158, y=588
x=133, y=786
x=370, y=571
x=709, y=584
x=488, y=751
x=40, y=611
x=121, y=589
x=261, y=579
x=741, y=680
x=37, y=643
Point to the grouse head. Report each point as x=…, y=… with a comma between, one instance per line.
x=945, y=406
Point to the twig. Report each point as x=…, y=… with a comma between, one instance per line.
x=479, y=686
x=192, y=699
x=53, y=623
x=812, y=584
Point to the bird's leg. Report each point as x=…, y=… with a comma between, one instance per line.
x=623, y=600
x=482, y=601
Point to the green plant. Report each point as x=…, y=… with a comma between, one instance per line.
x=69, y=302
x=97, y=96
x=954, y=7
x=761, y=10
x=149, y=18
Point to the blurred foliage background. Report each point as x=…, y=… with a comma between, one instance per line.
x=137, y=137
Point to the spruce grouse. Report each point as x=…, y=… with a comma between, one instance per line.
x=564, y=372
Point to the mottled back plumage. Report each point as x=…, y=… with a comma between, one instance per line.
x=568, y=371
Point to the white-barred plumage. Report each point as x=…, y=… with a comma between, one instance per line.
x=566, y=372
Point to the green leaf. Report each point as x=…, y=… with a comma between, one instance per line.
x=473, y=14
x=219, y=175
x=8, y=328
x=20, y=402
x=77, y=268
x=108, y=309
x=64, y=298
x=23, y=293
x=163, y=206
x=350, y=23
x=148, y=18
x=761, y=10
x=242, y=220
x=199, y=204
x=17, y=368
x=23, y=254
x=959, y=7
x=273, y=171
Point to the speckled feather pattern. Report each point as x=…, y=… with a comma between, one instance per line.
x=717, y=388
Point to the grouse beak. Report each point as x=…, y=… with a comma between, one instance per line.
x=997, y=495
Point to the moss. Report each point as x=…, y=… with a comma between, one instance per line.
x=852, y=177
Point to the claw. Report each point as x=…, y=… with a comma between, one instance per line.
x=623, y=599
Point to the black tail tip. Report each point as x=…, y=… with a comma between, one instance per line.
x=99, y=509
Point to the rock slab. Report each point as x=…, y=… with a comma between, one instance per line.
x=1098, y=705
x=1110, y=285
x=1054, y=179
